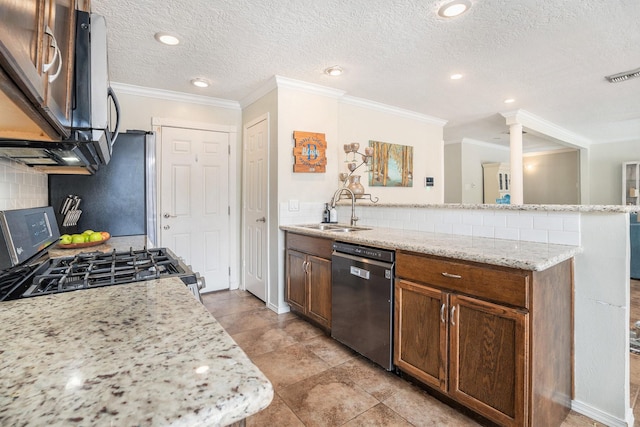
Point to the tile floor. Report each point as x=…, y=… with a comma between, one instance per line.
x=319, y=382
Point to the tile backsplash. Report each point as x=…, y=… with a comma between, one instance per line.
x=528, y=225
x=21, y=186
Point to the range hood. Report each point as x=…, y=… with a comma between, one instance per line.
x=91, y=139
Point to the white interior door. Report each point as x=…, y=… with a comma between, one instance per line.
x=255, y=206
x=194, y=202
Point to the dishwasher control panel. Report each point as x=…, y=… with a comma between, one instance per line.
x=364, y=251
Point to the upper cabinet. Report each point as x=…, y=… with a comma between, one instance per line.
x=36, y=57
x=630, y=183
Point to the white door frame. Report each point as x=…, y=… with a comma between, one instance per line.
x=234, y=233
x=267, y=258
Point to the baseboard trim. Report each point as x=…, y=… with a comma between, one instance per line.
x=279, y=310
x=602, y=417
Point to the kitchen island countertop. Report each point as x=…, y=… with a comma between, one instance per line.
x=507, y=253
x=145, y=353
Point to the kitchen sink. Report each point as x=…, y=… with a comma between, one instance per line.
x=336, y=228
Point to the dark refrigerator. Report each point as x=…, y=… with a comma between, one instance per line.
x=115, y=198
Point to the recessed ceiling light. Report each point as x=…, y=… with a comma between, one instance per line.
x=167, y=38
x=334, y=71
x=509, y=101
x=200, y=82
x=456, y=76
x=454, y=8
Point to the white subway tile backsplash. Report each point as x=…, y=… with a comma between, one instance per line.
x=472, y=218
x=462, y=229
x=564, y=238
x=443, y=228
x=530, y=235
x=547, y=222
x=522, y=220
x=507, y=233
x=496, y=220
x=571, y=223
x=21, y=186
x=483, y=231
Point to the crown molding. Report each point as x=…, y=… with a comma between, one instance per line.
x=287, y=83
x=485, y=144
x=174, y=96
x=545, y=127
x=267, y=87
x=384, y=108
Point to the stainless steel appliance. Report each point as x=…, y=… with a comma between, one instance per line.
x=91, y=141
x=28, y=272
x=362, y=300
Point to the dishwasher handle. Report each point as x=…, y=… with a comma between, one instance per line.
x=360, y=272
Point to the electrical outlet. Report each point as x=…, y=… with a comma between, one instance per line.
x=294, y=206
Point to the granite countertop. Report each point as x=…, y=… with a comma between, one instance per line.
x=507, y=207
x=123, y=243
x=145, y=353
x=508, y=253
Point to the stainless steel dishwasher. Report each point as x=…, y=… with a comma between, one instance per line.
x=362, y=300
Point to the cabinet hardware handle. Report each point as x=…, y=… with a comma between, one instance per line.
x=442, y=313
x=57, y=55
x=453, y=315
x=305, y=266
x=452, y=276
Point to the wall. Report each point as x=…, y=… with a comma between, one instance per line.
x=453, y=173
x=21, y=186
x=552, y=178
x=466, y=159
x=605, y=169
x=357, y=123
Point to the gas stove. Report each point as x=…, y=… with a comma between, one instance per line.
x=27, y=271
x=96, y=269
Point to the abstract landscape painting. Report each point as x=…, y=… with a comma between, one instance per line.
x=392, y=165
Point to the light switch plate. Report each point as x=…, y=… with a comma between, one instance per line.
x=294, y=205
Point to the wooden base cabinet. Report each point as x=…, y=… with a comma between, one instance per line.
x=308, y=273
x=506, y=355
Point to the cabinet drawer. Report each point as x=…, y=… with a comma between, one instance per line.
x=488, y=282
x=317, y=246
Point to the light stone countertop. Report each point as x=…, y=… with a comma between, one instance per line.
x=123, y=243
x=507, y=207
x=508, y=253
x=145, y=353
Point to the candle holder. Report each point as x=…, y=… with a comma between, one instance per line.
x=349, y=180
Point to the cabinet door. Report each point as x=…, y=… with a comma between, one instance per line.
x=59, y=80
x=420, y=332
x=319, y=290
x=21, y=38
x=295, y=293
x=488, y=359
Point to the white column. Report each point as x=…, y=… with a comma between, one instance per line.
x=515, y=145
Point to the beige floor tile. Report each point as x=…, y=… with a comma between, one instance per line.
x=300, y=330
x=378, y=416
x=244, y=321
x=224, y=307
x=327, y=399
x=262, y=340
x=578, y=420
x=289, y=365
x=372, y=378
x=329, y=350
x=276, y=414
x=423, y=410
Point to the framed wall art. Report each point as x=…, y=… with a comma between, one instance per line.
x=309, y=152
x=392, y=165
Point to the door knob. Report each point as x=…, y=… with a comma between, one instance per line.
x=168, y=215
x=166, y=227
x=263, y=219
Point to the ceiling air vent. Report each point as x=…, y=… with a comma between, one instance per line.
x=626, y=75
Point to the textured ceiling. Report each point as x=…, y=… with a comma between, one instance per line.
x=550, y=55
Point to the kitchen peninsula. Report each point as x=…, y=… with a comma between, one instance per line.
x=145, y=353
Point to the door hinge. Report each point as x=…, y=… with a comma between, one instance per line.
x=229, y=210
x=229, y=147
x=229, y=271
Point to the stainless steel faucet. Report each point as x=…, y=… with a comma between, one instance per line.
x=336, y=197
